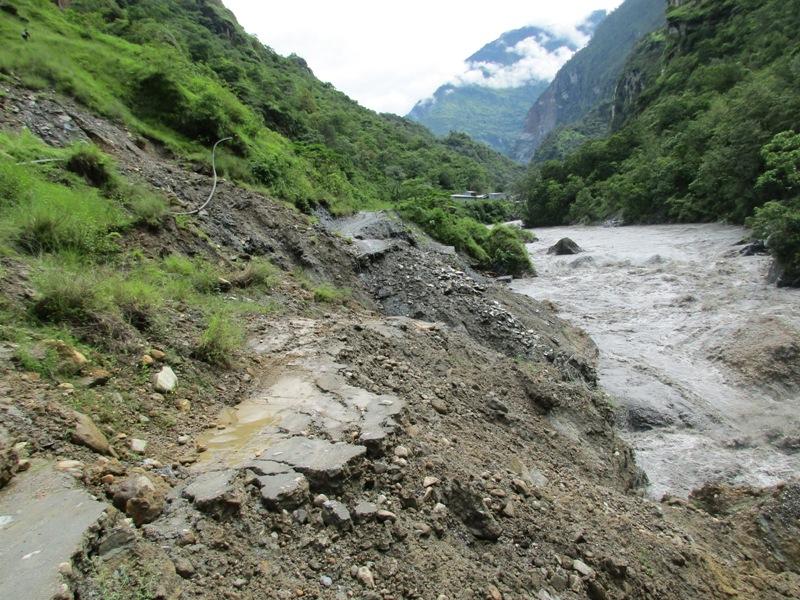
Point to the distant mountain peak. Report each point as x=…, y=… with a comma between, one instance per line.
x=491, y=96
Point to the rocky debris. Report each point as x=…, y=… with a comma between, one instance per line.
x=86, y=433
x=564, y=246
x=754, y=248
x=323, y=462
x=214, y=493
x=9, y=458
x=141, y=497
x=335, y=513
x=283, y=490
x=468, y=506
x=184, y=567
x=165, y=380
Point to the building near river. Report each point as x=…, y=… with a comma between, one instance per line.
x=472, y=195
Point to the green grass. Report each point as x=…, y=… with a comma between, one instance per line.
x=329, y=294
x=222, y=338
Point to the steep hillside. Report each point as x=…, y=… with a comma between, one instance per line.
x=184, y=74
x=587, y=81
x=490, y=99
x=706, y=113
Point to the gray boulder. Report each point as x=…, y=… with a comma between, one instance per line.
x=563, y=247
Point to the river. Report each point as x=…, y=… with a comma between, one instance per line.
x=698, y=351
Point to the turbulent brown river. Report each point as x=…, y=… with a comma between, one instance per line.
x=698, y=351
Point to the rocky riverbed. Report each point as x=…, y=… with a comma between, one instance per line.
x=701, y=352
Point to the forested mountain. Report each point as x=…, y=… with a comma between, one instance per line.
x=586, y=82
x=705, y=129
x=185, y=74
x=501, y=81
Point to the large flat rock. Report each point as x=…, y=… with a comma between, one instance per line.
x=43, y=517
x=319, y=460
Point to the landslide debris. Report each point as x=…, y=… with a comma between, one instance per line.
x=433, y=436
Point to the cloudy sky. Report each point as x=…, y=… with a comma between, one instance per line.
x=388, y=55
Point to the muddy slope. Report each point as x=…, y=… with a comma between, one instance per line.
x=438, y=437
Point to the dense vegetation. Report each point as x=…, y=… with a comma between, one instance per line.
x=586, y=82
x=499, y=249
x=706, y=134
x=184, y=74
x=71, y=224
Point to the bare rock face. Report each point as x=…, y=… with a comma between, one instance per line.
x=87, y=434
x=563, y=247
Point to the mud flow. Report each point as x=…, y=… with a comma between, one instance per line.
x=701, y=353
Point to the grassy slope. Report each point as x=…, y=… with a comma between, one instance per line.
x=185, y=74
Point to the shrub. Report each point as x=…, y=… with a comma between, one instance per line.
x=330, y=294
x=67, y=297
x=507, y=255
x=220, y=340
x=203, y=276
x=258, y=273
x=779, y=225
x=91, y=164
x=146, y=208
x=137, y=301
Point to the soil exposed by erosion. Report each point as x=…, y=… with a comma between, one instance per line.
x=435, y=437
x=701, y=351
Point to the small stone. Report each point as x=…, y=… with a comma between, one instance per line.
x=183, y=405
x=283, y=490
x=582, y=568
x=183, y=440
x=67, y=465
x=239, y=583
x=165, y=380
x=320, y=500
x=66, y=386
x=365, y=510
x=508, y=510
x=300, y=516
x=336, y=514
x=492, y=593
x=65, y=569
x=147, y=360
x=422, y=529
x=386, y=515
x=440, y=406
x=325, y=581
x=157, y=354
x=402, y=452
x=519, y=486
x=184, y=568
x=365, y=576
x=107, y=479
x=430, y=482
x=95, y=378
x=440, y=509
x=140, y=498
x=87, y=434
x=23, y=465
x=138, y=446
x=144, y=419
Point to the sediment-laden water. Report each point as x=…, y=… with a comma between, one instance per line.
x=699, y=351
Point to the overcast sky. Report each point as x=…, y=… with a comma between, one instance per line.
x=388, y=55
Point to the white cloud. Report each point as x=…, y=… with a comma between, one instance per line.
x=389, y=55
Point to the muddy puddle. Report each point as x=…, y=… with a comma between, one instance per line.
x=699, y=351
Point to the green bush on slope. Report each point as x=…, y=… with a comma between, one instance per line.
x=184, y=74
